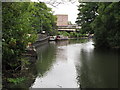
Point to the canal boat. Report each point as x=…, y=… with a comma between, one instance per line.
x=61, y=37
x=52, y=38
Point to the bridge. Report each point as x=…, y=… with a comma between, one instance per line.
x=68, y=28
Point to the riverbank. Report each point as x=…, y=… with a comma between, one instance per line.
x=21, y=73
x=61, y=37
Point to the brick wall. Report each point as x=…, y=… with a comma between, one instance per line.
x=62, y=20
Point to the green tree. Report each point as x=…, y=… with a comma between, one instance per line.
x=43, y=18
x=104, y=19
x=20, y=24
x=106, y=25
x=16, y=27
x=86, y=15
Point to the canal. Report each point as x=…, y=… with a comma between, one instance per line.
x=72, y=64
x=75, y=64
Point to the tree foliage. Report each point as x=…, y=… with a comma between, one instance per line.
x=55, y=3
x=106, y=25
x=43, y=18
x=20, y=23
x=86, y=15
x=15, y=28
x=104, y=19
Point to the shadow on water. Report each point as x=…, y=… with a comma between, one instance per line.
x=46, y=57
x=98, y=69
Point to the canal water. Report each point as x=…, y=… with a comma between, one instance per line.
x=75, y=64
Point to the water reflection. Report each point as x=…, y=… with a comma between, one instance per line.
x=62, y=73
x=46, y=57
x=98, y=69
x=74, y=64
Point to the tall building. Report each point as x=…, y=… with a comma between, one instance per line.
x=62, y=20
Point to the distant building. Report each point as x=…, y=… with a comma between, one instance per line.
x=62, y=20
x=62, y=23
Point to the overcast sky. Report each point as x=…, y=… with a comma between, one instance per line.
x=67, y=8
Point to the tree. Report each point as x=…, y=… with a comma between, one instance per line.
x=104, y=19
x=86, y=15
x=16, y=27
x=21, y=23
x=55, y=3
x=106, y=25
x=43, y=18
